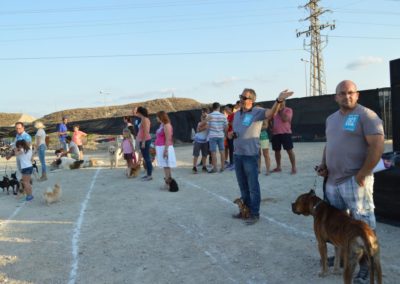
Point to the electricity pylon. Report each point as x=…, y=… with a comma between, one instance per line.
x=315, y=46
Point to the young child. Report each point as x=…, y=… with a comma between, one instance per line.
x=24, y=153
x=77, y=139
x=128, y=150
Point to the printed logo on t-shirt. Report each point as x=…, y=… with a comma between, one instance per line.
x=248, y=118
x=351, y=122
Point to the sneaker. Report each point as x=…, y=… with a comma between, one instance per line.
x=221, y=170
x=252, y=220
x=204, y=169
x=363, y=274
x=29, y=197
x=212, y=171
x=226, y=163
x=147, y=178
x=194, y=170
x=43, y=178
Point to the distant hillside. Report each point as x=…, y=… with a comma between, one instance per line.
x=168, y=105
x=9, y=119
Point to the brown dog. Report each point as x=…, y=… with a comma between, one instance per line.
x=244, y=210
x=353, y=239
x=135, y=170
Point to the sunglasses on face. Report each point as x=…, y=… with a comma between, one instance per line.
x=243, y=98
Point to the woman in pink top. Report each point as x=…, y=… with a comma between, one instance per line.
x=144, y=140
x=77, y=139
x=165, y=152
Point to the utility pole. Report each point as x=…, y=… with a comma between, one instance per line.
x=315, y=46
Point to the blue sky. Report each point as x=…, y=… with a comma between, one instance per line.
x=59, y=55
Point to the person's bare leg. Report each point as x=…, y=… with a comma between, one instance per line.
x=292, y=159
x=222, y=160
x=267, y=161
x=214, y=160
x=26, y=179
x=278, y=161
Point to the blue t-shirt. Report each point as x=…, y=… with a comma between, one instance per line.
x=23, y=136
x=62, y=128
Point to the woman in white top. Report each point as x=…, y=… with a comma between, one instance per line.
x=24, y=154
x=40, y=149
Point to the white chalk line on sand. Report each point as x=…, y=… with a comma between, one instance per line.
x=77, y=232
x=272, y=220
x=15, y=213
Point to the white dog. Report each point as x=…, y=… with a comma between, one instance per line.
x=113, y=153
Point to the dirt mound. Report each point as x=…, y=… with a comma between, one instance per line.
x=9, y=119
x=168, y=105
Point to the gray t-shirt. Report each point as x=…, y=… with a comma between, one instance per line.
x=346, y=146
x=247, y=126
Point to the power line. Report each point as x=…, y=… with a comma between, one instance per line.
x=317, y=73
x=147, y=54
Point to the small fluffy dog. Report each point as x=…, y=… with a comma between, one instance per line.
x=52, y=196
x=244, y=210
x=353, y=239
x=172, y=185
x=134, y=172
x=113, y=155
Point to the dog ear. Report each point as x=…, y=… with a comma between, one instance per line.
x=312, y=192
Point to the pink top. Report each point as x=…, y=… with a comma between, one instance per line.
x=144, y=130
x=161, y=139
x=127, y=147
x=281, y=127
x=77, y=137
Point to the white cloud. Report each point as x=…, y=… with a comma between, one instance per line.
x=363, y=62
x=225, y=82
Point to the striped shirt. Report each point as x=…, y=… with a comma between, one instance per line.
x=217, y=123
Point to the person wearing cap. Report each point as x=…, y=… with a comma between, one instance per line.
x=40, y=147
x=63, y=133
x=247, y=125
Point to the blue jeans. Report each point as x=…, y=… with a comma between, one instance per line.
x=146, y=156
x=246, y=168
x=41, y=154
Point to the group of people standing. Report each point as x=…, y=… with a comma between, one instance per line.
x=139, y=132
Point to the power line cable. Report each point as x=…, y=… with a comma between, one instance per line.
x=227, y=52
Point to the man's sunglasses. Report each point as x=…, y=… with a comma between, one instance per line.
x=243, y=98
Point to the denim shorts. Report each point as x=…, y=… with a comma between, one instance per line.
x=214, y=141
x=27, y=171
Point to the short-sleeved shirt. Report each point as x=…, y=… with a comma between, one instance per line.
x=23, y=136
x=346, y=146
x=280, y=126
x=77, y=137
x=74, y=150
x=247, y=126
x=217, y=123
x=62, y=128
x=41, y=135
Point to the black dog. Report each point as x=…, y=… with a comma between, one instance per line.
x=5, y=184
x=14, y=183
x=35, y=167
x=172, y=184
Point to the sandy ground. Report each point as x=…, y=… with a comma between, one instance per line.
x=110, y=229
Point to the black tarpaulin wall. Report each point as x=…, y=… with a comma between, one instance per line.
x=308, y=124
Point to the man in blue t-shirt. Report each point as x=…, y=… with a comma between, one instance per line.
x=63, y=133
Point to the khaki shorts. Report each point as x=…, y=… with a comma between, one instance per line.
x=264, y=144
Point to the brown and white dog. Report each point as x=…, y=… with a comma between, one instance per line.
x=244, y=210
x=52, y=196
x=353, y=239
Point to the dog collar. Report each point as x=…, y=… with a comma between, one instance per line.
x=316, y=205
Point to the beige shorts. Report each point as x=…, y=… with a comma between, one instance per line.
x=264, y=144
